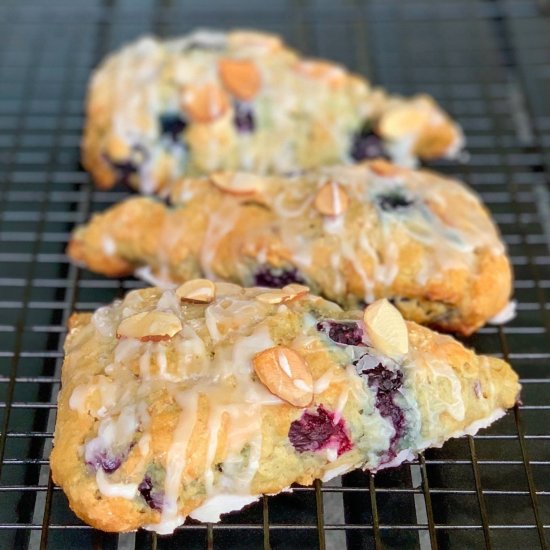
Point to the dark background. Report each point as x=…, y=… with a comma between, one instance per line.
x=487, y=62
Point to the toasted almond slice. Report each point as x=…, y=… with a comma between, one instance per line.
x=237, y=183
x=435, y=141
x=331, y=200
x=322, y=70
x=274, y=297
x=264, y=42
x=386, y=328
x=147, y=326
x=204, y=103
x=285, y=294
x=117, y=149
x=241, y=77
x=402, y=120
x=294, y=290
x=384, y=168
x=278, y=368
x=197, y=291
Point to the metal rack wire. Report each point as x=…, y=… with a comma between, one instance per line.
x=488, y=62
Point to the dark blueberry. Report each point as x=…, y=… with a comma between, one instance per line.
x=277, y=278
x=243, y=118
x=348, y=333
x=316, y=431
x=106, y=461
x=127, y=168
x=393, y=200
x=124, y=170
x=366, y=144
x=383, y=379
x=386, y=383
x=172, y=125
x=153, y=498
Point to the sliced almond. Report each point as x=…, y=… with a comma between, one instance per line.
x=204, y=103
x=322, y=70
x=285, y=374
x=147, y=326
x=386, y=328
x=197, y=291
x=401, y=121
x=274, y=297
x=435, y=141
x=285, y=294
x=331, y=200
x=384, y=168
x=237, y=183
x=294, y=290
x=117, y=149
x=241, y=77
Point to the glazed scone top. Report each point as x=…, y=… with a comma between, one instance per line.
x=352, y=233
x=243, y=100
x=182, y=402
x=374, y=210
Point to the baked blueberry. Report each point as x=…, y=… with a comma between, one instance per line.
x=277, y=277
x=348, y=333
x=172, y=125
x=387, y=383
x=105, y=460
x=153, y=498
x=394, y=200
x=243, y=117
x=318, y=430
x=366, y=144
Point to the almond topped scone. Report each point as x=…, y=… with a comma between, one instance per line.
x=158, y=110
x=351, y=233
x=196, y=401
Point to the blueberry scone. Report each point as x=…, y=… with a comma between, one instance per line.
x=352, y=234
x=158, y=110
x=196, y=401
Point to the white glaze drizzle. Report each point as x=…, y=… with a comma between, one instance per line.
x=226, y=384
x=110, y=489
x=176, y=458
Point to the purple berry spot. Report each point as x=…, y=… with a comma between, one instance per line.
x=384, y=380
x=153, y=498
x=387, y=383
x=243, y=118
x=367, y=145
x=106, y=461
x=277, y=278
x=394, y=200
x=172, y=125
x=124, y=170
x=318, y=430
x=348, y=333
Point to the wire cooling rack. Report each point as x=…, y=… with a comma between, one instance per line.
x=487, y=62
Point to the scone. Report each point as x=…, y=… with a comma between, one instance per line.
x=351, y=233
x=159, y=110
x=196, y=401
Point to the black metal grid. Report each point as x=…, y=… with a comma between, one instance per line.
x=488, y=62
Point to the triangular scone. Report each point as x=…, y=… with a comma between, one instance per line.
x=159, y=110
x=352, y=234
x=197, y=401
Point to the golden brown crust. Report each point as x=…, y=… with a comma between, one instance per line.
x=157, y=111
x=440, y=258
x=444, y=391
